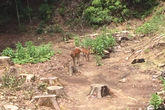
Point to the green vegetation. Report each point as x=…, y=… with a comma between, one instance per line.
x=163, y=82
x=98, y=45
x=106, y=11
x=11, y=81
x=155, y=24
x=102, y=42
x=30, y=53
x=156, y=101
x=98, y=60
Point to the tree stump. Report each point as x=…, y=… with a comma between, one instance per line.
x=5, y=61
x=46, y=100
x=73, y=70
x=57, y=90
x=99, y=90
x=52, y=81
x=28, y=77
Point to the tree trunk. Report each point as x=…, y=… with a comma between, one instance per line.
x=29, y=11
x=18, y=17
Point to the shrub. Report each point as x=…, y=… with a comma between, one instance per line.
x=77, y=41
x=163, y=82
x=156, y=101
x=151, y=26
x=30, y=53
x=98, y=60
x=86, y=42
x=12, y=82
x=45, y=11
x=105, y=11
x=101, y=43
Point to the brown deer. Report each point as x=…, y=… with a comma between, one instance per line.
x=86, y=53
x=75, y=54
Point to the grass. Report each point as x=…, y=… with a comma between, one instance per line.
x=155, y=24
x=29, y=53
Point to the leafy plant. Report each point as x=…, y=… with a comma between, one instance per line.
x=45, y=11
x=77, y=41
x=86, y=42
x=102, y=42
x=98, y=60
x=105, y=11
x=42, y=86
x=30, y=53
x=11, y=81
x=8, y=52
x=153, y=25
x=163, y=82
x=156, y=101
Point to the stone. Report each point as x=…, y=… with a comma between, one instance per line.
x=150, y=107
x=10, y=107
x=141, y=60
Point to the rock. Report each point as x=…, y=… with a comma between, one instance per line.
x=123, y=80
x=150, y=107
x=106, y=54
x=10, y=107
x=141, y=60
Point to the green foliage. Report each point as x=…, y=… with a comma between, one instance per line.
x=98, y=60
x=42, y=86
x=156, y=101
x=101, y=43
x=8, y=52
x=12, y=82
x=105, y=11
x=40, y=28
x=98, y=45
x=45, y=11
x=30, y=53
x=153, y=25
x=77, y=41
x=86, y=42
x=163, y=82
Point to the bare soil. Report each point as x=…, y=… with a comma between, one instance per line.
x=130, y=85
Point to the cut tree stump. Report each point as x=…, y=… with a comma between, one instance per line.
x=46, y=100
x=57, y=90
x=28, y=77
x=5, y=61
x=52, y=81
x=99, y=90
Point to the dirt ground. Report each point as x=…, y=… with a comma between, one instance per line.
x=130, y=85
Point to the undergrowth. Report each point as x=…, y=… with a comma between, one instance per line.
x=156, y=24
x=29, y=53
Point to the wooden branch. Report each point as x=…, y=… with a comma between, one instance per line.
x=46, y=100
x=51, y=80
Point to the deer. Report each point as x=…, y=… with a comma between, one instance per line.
x=75, y=54
x=86, y=53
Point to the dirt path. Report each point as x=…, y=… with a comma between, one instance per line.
x=130, y=86
x=133, y=93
